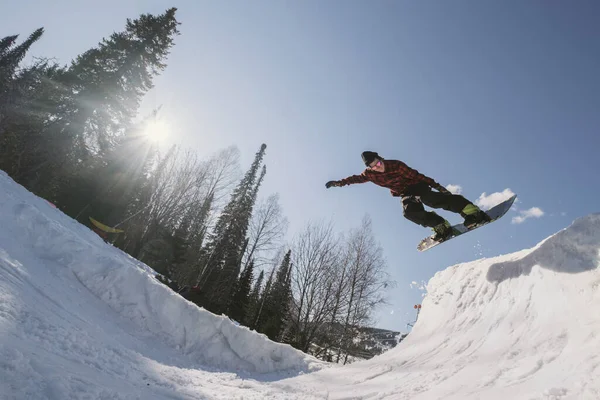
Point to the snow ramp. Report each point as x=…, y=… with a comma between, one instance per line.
x=519, y=326
x=81, y=319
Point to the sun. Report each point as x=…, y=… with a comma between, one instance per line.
x=157, y=131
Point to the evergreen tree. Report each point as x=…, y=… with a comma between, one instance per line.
x=199, y=224
x=27, y=104
x=277, y=300
x=223, y=252
x=239, y=302
x=180, y=245
x=29, y=98
x=109, y=80
x=54, y=121
x=285, y=309
x=262, y=306
x=10, y=58
x=254, y=301
x=190, y=270
x=105, y=86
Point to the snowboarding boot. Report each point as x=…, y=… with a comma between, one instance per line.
x=442, y=231
x=473, y=216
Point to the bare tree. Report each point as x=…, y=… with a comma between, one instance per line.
x=338, y=283
x=223, y=173
x=314, y=279
x=366, y=279
x=330, y=336
x=219, y=174
x=180, y=185
x=266, y=231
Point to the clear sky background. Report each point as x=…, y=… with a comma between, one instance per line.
x=484, y=95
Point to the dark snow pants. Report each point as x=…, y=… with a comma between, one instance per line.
x=421, y=194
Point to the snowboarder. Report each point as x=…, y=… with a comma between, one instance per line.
x=415, y=189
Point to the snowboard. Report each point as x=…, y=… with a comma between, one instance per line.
x=494, y=213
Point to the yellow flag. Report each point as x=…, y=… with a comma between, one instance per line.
x=105, y=228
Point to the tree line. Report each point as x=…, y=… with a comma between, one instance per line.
x=71, y=135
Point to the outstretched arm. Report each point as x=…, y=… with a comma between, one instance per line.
x=351, y=180
x=348, y=181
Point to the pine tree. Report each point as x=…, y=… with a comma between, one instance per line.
x=11, y=56
x=109, y=80
x=29, y=98
x=262, y=306
x=199, y=225
x=223, y=252
x=189, y=272
x=59, y=120
x=254, y=301
x=277, y=301
x=180, y=245
x=239, y=302
x=285, y=307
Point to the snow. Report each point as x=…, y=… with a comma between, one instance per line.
x=79, y=319
x=519, y=326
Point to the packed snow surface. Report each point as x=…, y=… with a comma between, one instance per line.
x=79, y=319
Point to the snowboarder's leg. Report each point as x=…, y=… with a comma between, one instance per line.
x=455, y=203
x=415, y=212
x=447, y=201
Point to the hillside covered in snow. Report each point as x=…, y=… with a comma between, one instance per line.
x=80, y=319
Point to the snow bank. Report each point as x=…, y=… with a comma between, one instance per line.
x=59, y=244
x=520, y=326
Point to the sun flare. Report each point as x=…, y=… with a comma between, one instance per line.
x=157, y=131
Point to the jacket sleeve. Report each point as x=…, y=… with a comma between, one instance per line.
x=354, y=179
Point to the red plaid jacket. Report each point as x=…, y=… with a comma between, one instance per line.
x=396, y=177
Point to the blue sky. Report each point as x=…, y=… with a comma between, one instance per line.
x=485, y=95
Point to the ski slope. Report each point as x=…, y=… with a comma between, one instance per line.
x=79, y=319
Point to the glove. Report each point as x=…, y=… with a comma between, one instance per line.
x=332, y=183
x=443, y=190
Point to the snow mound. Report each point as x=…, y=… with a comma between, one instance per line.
x=41, y=247
x=519, y=326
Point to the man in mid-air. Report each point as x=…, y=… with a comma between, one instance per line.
x=415, y=189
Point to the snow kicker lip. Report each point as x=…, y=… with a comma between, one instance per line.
x=573, y=250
